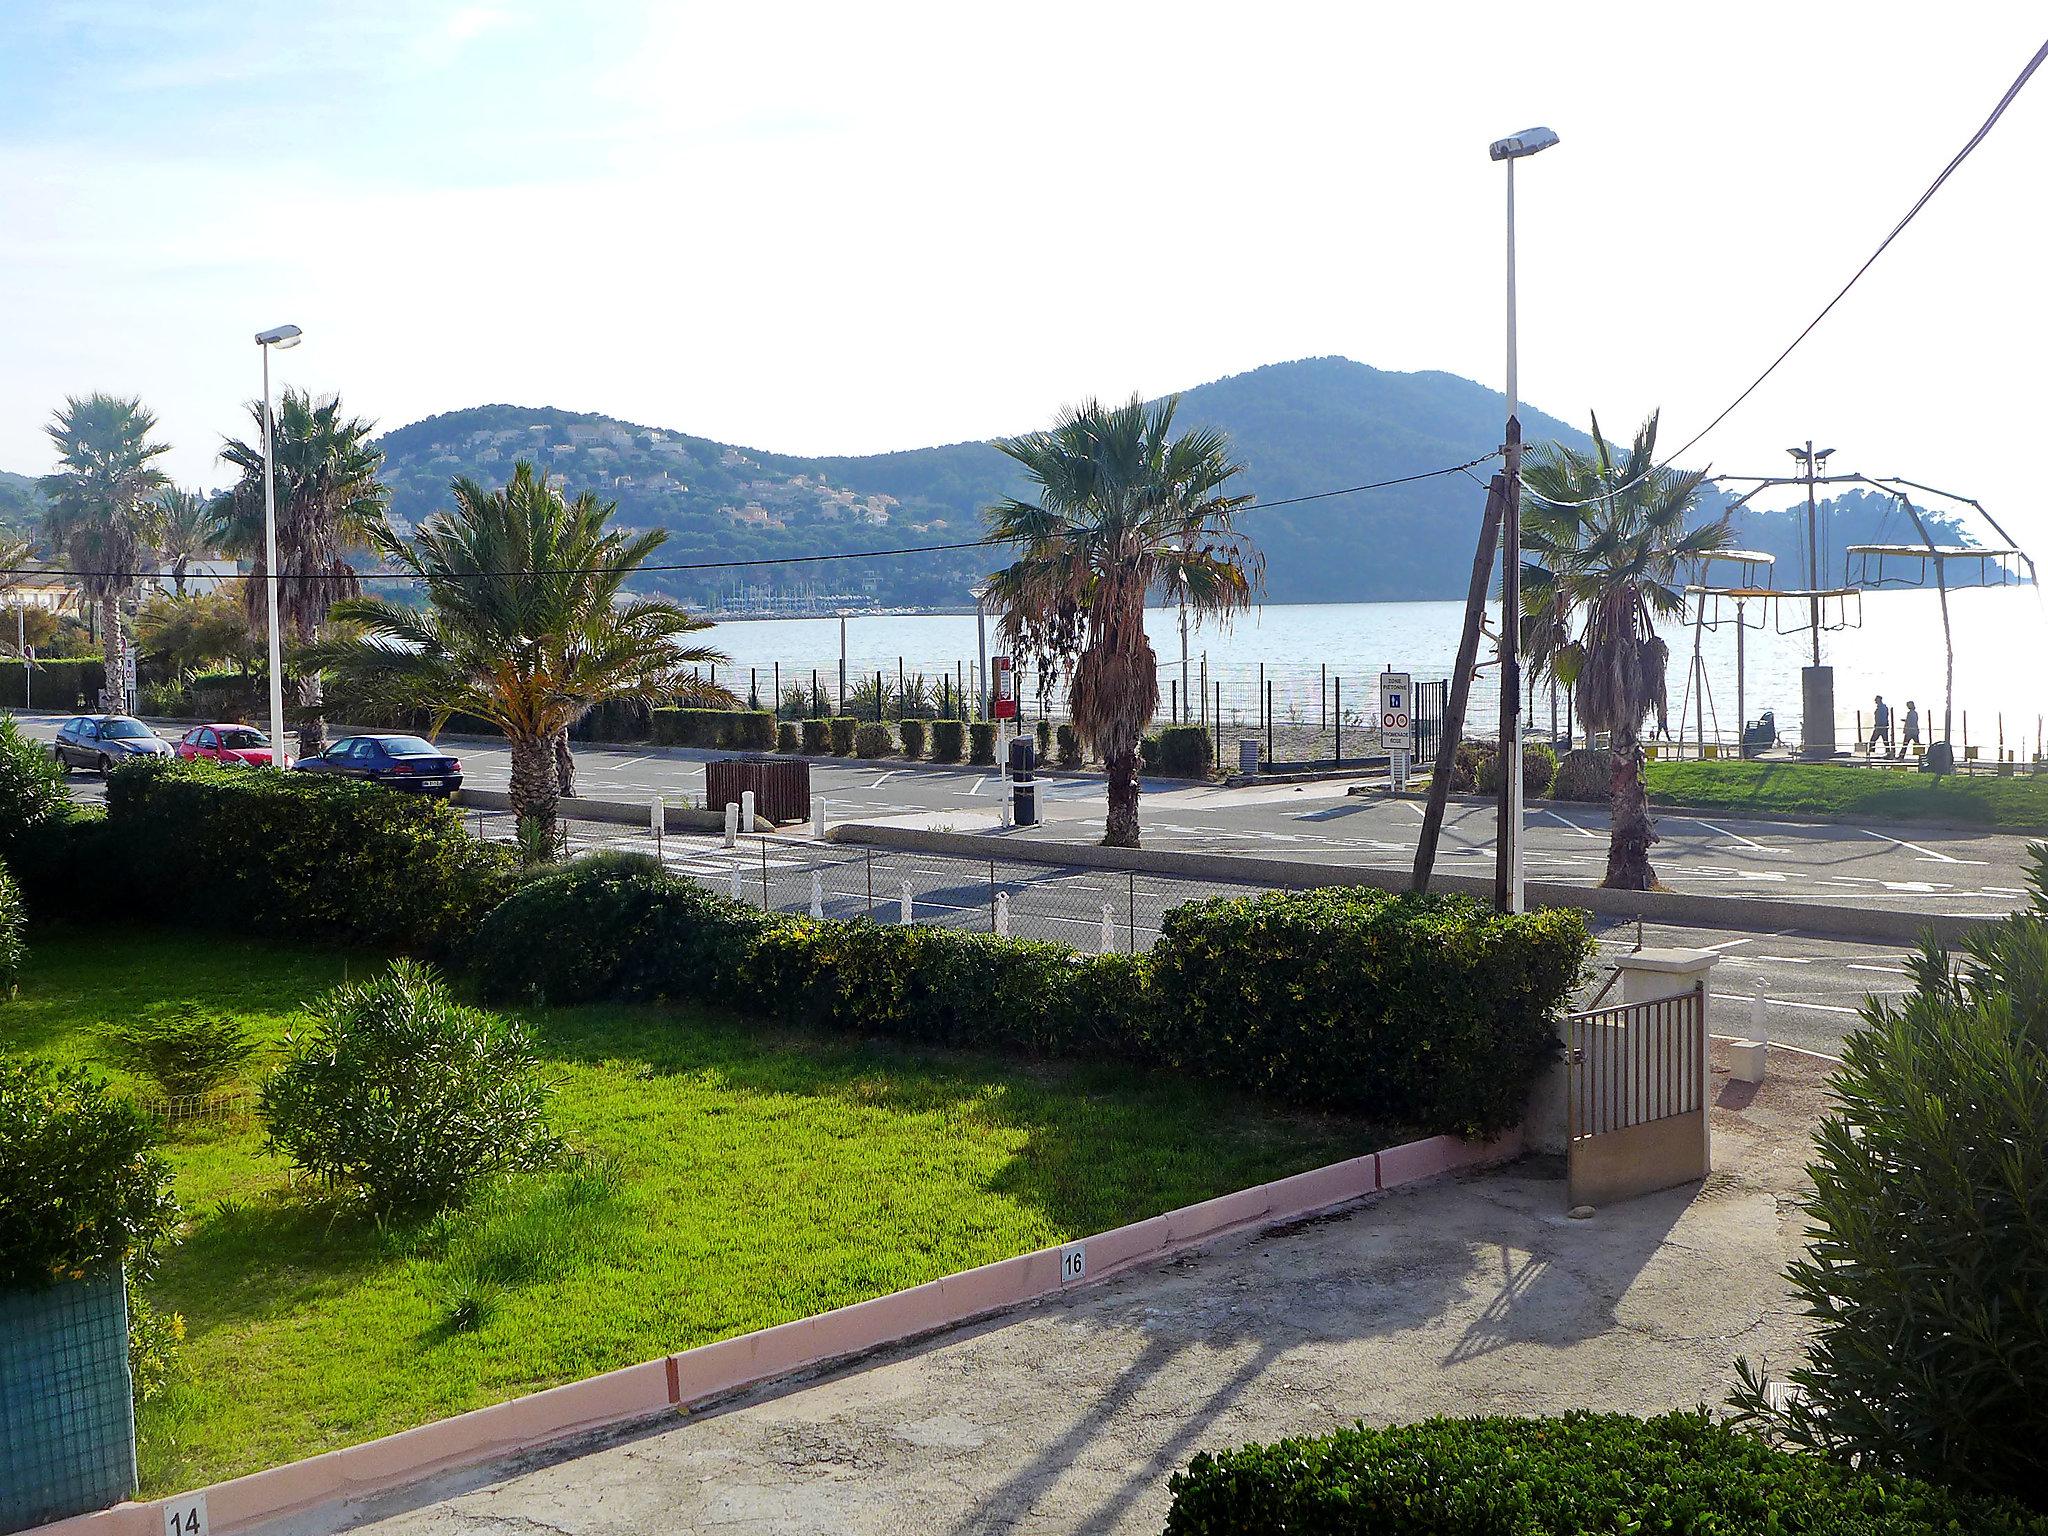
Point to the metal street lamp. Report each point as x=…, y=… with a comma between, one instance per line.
x=279, y=337
x=1507, y=879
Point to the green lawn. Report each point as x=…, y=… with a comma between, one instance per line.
x=731, y=1177
x=2017, y=804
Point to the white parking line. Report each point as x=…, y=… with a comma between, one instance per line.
x=1725, y=944
x=1568, y=822
x=1786, y=1002
x=1928, y=853
x=1724, y=832
x=1882, y=970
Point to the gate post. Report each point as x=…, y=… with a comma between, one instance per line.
x=1650, y=974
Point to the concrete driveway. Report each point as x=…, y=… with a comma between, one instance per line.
x=1473, y=1296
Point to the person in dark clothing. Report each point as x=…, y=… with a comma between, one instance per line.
x=1881, y=730
x=1911, y=738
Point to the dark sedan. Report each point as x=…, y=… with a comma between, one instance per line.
x=410, y=763
x=105, y=742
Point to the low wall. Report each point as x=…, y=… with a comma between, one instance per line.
x=676, y=818
x=320, y=1492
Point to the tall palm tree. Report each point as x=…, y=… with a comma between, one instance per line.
x=102, y=507
x=526, y=625
x=184, y=532
x=330, y=506
x=1603, y=544
x=1124, y=509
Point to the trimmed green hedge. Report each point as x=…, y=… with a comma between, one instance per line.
x=787, y=738
x=725, y=730
x=981, y=741
x=58, y=685
x=1069, y=747
x=842, y=728
x=817, y=737
x=244, y=848
x=949, y=740
x=1583, y=774
x=1681, y=1474
x=913, y=733
x=1412, y=1031
x=1178, y=752
x=1429, y=1010
x=873, y=739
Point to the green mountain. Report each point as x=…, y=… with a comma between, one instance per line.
x=21, y=503
x=1299, y=428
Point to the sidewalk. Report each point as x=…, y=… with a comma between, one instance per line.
x=1465, y=1297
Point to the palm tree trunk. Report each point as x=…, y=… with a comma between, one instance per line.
x=533, y=788
x=1630, y=837
x=565, y=765
x=312, y=727
x=110, y=648
x=1121, y=829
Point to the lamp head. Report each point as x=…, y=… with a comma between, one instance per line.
x=280, y=336
x=1528, y=142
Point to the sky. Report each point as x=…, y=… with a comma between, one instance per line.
x=855, y=228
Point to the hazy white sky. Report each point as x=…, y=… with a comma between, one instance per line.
x=853, y=228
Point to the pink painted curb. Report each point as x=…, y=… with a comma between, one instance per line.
x=693, y=1376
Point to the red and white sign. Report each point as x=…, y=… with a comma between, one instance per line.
x=1004, y=705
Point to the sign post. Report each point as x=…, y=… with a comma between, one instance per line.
x=1396, y=726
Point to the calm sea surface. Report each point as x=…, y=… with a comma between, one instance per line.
x=2001, y=657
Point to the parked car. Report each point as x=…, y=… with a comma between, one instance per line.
x=403, y=762
x=227, y=744
x=104, y=742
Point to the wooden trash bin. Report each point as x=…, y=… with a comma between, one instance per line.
x=781, y=786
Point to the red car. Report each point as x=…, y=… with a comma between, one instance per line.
x=228, y=744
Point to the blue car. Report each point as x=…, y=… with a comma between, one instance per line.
x=410, y=763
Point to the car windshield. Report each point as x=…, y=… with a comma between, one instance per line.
x=243, y=739
x=410, y=746
x=124, y=730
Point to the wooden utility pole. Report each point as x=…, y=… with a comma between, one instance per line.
x=1461, y=684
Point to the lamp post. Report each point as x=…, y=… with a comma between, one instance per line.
x=1507, y=876
x=981, y=648
x=279, y=337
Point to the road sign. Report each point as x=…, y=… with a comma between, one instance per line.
x=1396, y=711
x=1004, y=705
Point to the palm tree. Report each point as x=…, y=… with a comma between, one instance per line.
x=185, y=532
x=526, y=625
x=1124, y=509
x=102, y=503
x=1603, y=543
x=330, y=505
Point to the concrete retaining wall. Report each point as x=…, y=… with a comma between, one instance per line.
x=1680, y=908
x=677, y=818
x=318, y=1494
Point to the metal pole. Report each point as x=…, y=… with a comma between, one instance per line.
x=764, y=874
x=1324, y=695
x=1507, y=879
x=778, y=688
x=991, y=895
x=1269, y=722
x=981, y=648
x=1132, y=909
x=1741, y=717
x=277, y=747
x=871, y=884
x=842, y=664
x=1812, y=554
x=1339, y=758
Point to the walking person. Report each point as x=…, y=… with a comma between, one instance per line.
x=1911, y=738
x=1881, y=729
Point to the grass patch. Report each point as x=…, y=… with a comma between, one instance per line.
x=726, y=1178
x=2017, y=804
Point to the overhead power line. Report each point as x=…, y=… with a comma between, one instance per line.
x=709, y=565
x=2011, y=92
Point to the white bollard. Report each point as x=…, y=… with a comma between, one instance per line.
x=1003, y=915
x=735, y=881
x=1008, y=807
x=906, y=902
x=818, y=819
x=817, y=894
x=746, y=810
x=657, y=816
x=732, y=826
x=1108, y=928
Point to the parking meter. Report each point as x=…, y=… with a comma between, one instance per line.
x=1024, y=780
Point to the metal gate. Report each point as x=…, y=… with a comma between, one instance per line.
x=1427, y=719
x=1636, y=1097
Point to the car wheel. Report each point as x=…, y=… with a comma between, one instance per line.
x=106, y=765
x=63, y=763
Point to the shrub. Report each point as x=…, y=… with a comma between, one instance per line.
x=32, y=790
x=640, y=934
x=981, y=741
x=843, y=727
x=1430, y=1011
x=405, y=1094
x=1183, y=752
x=1470, y=766
x=154, y=1339
x=1583, y=774
x=913, y=730
x=817, y=737
x=13, y=923
x=725, y=730
x=1928, y=1260
x=873, y=739
x=1539, y=768
x=180, y=1047
x=292, y=853
x=949, y=740
x=82, y=1187
x=1070, y=747
x=57, y=868
x=58, y=685
x=1043, y=730
x=787, y=737
x=1608, y=1472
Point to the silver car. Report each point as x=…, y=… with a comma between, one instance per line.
x=105, y=742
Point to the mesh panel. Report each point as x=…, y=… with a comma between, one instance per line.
x=67, y=1424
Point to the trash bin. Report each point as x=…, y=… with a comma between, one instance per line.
x=782, y=787
x=1024, y=781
